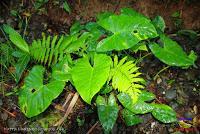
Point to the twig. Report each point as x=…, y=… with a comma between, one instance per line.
x=13, y=115
x=91, y=129
x=26, y=21
x=160, y=72
x=140, y=59
x=67, y=100
x=69, y=109
x=158, y=100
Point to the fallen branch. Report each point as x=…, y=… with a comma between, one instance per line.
x=11, y=114
x=67, y=99
x=91, y=129
x=69, y=109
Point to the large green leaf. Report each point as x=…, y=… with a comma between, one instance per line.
x=171, y=53
x=130, y=118
x=107, y=112
x=164, y=113
x=139, y=107
x=118, y=41
x=16, y=38
x=127, y=31
x=89, y=79
x=35, y=97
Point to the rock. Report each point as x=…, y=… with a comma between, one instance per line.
x=170, y=94
x=12, y=123
x=159, y=80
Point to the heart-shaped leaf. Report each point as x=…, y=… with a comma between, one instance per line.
x=89, y=79
x=171, y=53
x=127, y=31
x=107, y=112
x=35, y=97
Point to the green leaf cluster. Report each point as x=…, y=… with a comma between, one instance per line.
x=96, y=70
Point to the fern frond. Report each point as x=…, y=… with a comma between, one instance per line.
x=47, y=51
x=125, y=77
x=50, y=51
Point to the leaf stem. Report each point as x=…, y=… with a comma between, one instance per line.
x=140, y=59
x=165, y=68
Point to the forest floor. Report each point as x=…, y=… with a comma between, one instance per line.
x=179, y=88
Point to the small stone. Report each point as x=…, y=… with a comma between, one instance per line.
x=11, y=123
x=159, y=80
x=170, y=94
x=153, y=124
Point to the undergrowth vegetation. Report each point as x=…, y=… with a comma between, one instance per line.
x=91, y=59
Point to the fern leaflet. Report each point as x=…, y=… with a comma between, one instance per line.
x=125, y=77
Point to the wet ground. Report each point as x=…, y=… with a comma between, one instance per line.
x=179, y=88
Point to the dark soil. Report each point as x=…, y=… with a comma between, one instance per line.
x=179, y=88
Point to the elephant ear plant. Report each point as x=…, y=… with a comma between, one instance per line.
x=99, y=75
